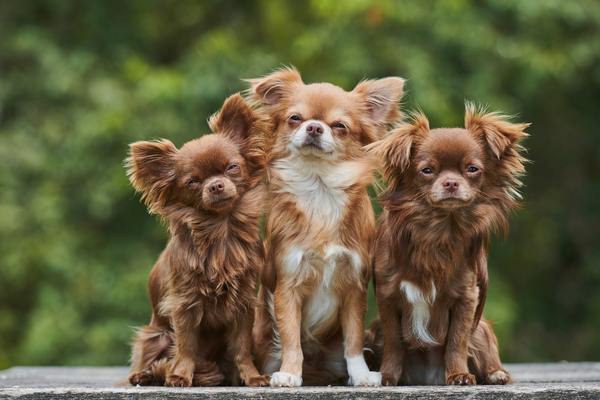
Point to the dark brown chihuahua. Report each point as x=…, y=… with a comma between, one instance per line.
x=449, y=189
x=203, y=286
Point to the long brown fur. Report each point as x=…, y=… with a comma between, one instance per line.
x=203, y=286
x=293, y=341
x=448, y=191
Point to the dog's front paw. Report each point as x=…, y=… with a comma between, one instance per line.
x=283, y=379
x=461, y=379
x=499, y=377
x=368, y=378
x=178, y=381
x=142, y=378
x=388, y=379
x=259, y=380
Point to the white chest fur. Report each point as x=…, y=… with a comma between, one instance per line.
x=420, y=315
x=318, y=186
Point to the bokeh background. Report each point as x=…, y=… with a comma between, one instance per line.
x=80, y=80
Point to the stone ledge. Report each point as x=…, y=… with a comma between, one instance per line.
x=532, y=381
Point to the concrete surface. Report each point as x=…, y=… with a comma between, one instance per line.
x=532, y=381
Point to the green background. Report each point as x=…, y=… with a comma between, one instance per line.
x=79, y=80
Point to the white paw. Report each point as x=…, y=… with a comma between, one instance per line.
x=369, y=378
x=283, y=379
x=498, y=378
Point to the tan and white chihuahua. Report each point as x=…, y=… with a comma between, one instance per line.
x=320, y=227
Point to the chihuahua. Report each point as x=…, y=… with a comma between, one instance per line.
x=320, y=226
x=202, y=288
x=449, y=189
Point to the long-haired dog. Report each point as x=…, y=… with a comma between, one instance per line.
x=202, y=287
x=449, y=189
x=320, y=227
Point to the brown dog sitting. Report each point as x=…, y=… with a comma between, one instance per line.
x=203, y=286
x=449, y=189
x=320, y=227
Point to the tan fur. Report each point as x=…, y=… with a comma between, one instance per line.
x=202, y=288
x=449, y=189
x=318, y=207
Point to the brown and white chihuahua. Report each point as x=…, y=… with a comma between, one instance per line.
x=202, y=287
x=449, y=189
x=320, y=227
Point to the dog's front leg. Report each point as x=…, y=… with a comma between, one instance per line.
x=462, y=314
x=242, y=344
x=288, y=312
x=393, y=348
x=352, y=321
x=185, y=327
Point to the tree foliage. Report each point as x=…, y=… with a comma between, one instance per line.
x=80, y=80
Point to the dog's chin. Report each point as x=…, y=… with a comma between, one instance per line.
x=220, y=205
x=313, y=150
x=449, y=203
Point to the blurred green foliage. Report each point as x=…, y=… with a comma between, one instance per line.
x=80, y=80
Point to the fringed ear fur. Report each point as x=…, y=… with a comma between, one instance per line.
x=393, y=151
x=245, y=126
x=151, y=170
x=381, y=98
x=496, y=129
x=270, y=89
x=235, y=119
x=503, y=139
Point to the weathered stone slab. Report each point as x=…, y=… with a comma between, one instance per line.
x=532, y=381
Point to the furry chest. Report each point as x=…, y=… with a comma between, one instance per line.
x=323, y=206
x=220, y=294
x=319, y=190
x=422, y=311
x=222, y=271
x=223, y=307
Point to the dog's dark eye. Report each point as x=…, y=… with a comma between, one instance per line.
x=472, y=169
x=295, y=118
x=427, y=171
x=233, y=168
x=338, y=125
x=193, y=181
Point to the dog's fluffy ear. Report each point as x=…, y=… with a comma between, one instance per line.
x=381, y=99
x=496, y=129
x=393, y=152
x=272, y=88
x=151, y=170
x=503, y=139
x=235, y=119
x=245, y=127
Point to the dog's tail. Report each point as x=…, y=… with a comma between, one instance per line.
x=373, y=348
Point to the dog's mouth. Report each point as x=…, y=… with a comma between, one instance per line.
x=449, y=202
x=221, y=203
x=312, y=143
x=314, y=147
x=222, y=200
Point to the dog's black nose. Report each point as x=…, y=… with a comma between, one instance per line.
x=216, y=187
x=314, y=129
x=451, y=185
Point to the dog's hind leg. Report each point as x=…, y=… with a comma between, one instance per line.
x=152, y=343
x=484, y=358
